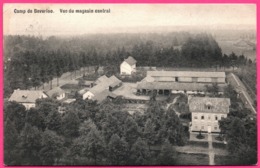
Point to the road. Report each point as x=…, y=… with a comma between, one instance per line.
x=239, y=86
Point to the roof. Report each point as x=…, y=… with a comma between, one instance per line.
x=176, y=86
x=26, y=96
x=148, y=79
x=104, y=83
x=114, y=81
x=130, y=60
x=54, y=91
x=217, y=105
x=69, y=101
x=103, y=95
x=83, y=91
x=101, y=79
x=186, y=74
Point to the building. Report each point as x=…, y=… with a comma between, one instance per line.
x=103, y=88
x=188, y=76
x=148, y=85
x=128, y=66
x=27, y=97
x=206, y=112
x=56, y=93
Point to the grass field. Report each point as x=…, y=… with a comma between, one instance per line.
x=192, y=159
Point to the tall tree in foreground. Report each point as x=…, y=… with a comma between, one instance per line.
x=117, y=150
x=94, y=146
x=139, y=153
x=167, y=154
x=52, y=148
x=30, y=145
x=10, y=143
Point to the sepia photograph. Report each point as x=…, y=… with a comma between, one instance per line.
x=129, y=84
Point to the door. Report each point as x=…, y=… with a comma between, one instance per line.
x=209, y=129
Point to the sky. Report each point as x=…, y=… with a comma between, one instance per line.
x=122, y=17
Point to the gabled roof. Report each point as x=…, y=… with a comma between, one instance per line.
x=26, y=96
x=186, y=74
x=201, y=104
x=101, y=79
x=114, y=81
x=103, y=95
x=56, y=90
x=130, y=60
x=105, y=82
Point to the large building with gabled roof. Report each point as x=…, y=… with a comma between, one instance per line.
x=206, y=112
x=188, y=76
x=27, y=97
x=128, y=66
x=103, y=88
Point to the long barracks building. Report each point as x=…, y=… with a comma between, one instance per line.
x=166, y=82
x=188, y=76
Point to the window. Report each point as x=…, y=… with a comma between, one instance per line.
x=202, y=127
x=195, y=117
x=208, y=107
x=209, y=117
x=215, y=128
x=202, y=117
x=196, y=127
x=216, y=117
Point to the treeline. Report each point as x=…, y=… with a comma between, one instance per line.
x=90, y=134
x=32, y=61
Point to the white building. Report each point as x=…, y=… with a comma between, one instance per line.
x=128, y=66
x=27, y=97
x=206, y=112
x=56, y=93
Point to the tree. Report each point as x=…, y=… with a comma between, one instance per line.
x=131, y=132
x=34, y=118
x=86, y=127
x=139, y=153
x=174, y=129
x=214, y=89
x=149, y=133
x=16, y=113
x=117, y=150
x=53, y=121
x=10, y=143
x=70, y=125
x=167, y=154
x=52, y=147
x=30, y=145
x=94, y=146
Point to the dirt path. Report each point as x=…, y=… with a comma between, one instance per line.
x=211, y=151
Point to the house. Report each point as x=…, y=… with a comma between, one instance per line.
x=103, y=85
x=188, y=76
x=27, y=97
x=100, y=70
x=56, y=93
x=206, y=112
x=128, y=66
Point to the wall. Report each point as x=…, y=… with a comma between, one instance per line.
x=209, y=120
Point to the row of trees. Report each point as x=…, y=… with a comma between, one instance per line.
x=240, y=131
x=90, y=134
x=30, y=61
